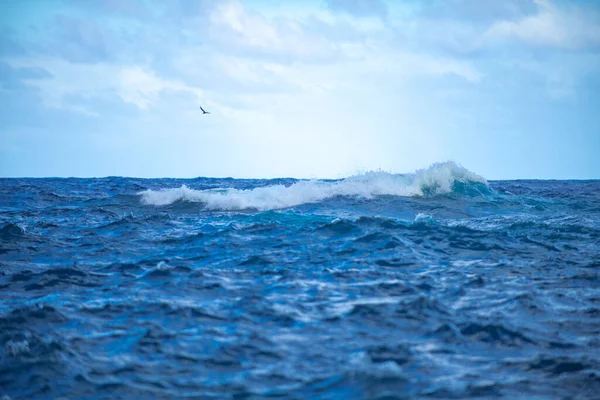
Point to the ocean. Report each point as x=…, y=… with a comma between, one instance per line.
x=436, y=284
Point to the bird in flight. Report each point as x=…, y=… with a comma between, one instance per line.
x=204, y=112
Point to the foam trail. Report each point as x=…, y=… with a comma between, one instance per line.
x=437, y=179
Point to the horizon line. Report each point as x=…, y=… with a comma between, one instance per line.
x=272, y=178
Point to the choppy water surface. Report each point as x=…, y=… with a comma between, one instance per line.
x=431, y=285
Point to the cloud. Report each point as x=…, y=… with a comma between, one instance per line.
x=101, y=104
x=127, y=8
x=157, y=33
x=142, y=87
x=551, y=27
x=99, y=83
x=10, y=45
x=470, y=28
x=79, y=40
x=249, y=32
x=476, y=12
x=360, y=8
x=11, y=77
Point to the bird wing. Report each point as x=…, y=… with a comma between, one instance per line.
x=202, y=109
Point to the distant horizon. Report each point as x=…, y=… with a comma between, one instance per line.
x=273, y=178
x=258, y=179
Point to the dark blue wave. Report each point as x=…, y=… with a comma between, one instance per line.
x=484, y=290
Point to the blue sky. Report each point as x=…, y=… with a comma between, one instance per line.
x=324, y=88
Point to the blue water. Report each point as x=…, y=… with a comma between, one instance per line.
x=436, y=284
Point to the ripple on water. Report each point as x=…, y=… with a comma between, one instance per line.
x=479, y=292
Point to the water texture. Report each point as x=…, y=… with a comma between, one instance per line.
x=436, y=284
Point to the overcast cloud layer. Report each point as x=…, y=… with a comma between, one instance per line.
x=509, y=89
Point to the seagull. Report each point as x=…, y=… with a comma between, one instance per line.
x=204, y=112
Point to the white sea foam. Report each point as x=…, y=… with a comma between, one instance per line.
x=437, y=179
x=424, y=219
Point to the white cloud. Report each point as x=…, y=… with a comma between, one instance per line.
x=142, y=87
x=550, y=27
x=424, y=64
x=361, y=8
x=233, y=25
x=133, y=84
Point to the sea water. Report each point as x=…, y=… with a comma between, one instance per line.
x=435, y=284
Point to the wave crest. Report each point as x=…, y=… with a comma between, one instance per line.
x=440, y=178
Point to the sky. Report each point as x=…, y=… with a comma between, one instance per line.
x=309, y=89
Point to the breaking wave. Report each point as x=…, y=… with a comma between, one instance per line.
x=441, y=178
